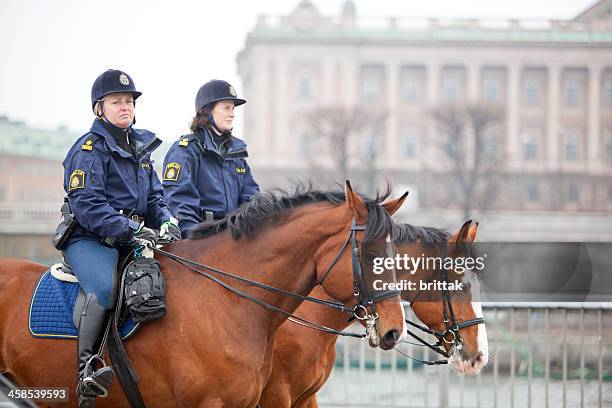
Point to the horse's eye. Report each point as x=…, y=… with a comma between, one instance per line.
x=370, y=256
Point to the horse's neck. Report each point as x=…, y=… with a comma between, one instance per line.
x=281, y=256
x=323, y=315
x=287, y=255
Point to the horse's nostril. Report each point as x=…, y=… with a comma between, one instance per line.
x=477, y=359
x=392, y=336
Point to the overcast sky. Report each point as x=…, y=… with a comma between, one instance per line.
x=52, y=50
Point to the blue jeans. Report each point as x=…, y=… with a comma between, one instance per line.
x=95, y=266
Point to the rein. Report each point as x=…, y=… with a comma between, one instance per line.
x=452, y=328
x=357, y=280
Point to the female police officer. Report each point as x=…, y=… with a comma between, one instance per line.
x=115, y=196
x=205, y=173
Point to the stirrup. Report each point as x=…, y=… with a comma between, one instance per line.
x=97, y=381
x=85, y=401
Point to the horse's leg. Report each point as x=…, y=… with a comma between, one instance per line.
x=183, y=376
x=217, y=403
x=309, y=402
x=277, y=396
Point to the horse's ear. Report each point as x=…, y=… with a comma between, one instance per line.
x=355, y=203
x=394, y=205
x=463, y=233
x=473, y=232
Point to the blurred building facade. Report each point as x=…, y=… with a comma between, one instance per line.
x=31, y=193
x=553, y=80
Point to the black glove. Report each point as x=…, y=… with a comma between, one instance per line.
x=169, y=232
x=146, y=236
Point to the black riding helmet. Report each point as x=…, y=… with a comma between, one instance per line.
x=216, y=90
x=112, y=81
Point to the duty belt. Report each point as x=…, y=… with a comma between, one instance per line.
x=207, y=215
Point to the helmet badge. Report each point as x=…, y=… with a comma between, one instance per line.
x=123, y=79
x=232, y=91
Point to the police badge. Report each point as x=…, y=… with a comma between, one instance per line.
x=77, y=180
x=123, y=79
x=172, y=171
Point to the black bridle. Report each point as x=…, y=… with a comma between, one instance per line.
x=363, y=300
x=452, y=333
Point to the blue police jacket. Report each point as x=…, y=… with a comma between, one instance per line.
x=197, y=177
x=101, y=179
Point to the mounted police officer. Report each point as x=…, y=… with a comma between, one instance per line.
x=205, y=173
x=115, y=196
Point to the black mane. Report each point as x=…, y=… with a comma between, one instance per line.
x=432, y=237
x=407, y=234
x=264, y=206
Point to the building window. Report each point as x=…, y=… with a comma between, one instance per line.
x=410, y=90
x=573, y=193
x=370, y=147
x=305, y=88
x=570, y=147
x=608, y=149
x=532, y=91
x=608, y=91
x=490, y=147
x=450, y=87
x=453, y=145
x=453, y=189
x=530, y=146
x=491, y=90
x=305, y=144
x=370, y=88
x=533, y=193
x=572, y=92
x=410, y=145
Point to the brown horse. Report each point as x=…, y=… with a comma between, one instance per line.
x=214, y=348
x=303, y=359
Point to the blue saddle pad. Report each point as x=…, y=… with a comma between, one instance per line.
x=51, y=309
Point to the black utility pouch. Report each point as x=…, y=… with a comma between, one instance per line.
x=65, y=228
x=144, y=290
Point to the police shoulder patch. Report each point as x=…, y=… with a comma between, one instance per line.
x=172, y=171
x=77, y=180
x=88, y=145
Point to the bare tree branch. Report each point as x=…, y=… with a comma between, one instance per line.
x=339, y=129
x=466, y=134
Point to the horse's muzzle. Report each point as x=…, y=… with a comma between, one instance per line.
x=390, y=339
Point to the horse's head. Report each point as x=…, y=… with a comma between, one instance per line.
x=453, y=313
x=381, y=313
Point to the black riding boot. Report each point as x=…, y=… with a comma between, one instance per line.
x=94, y=380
